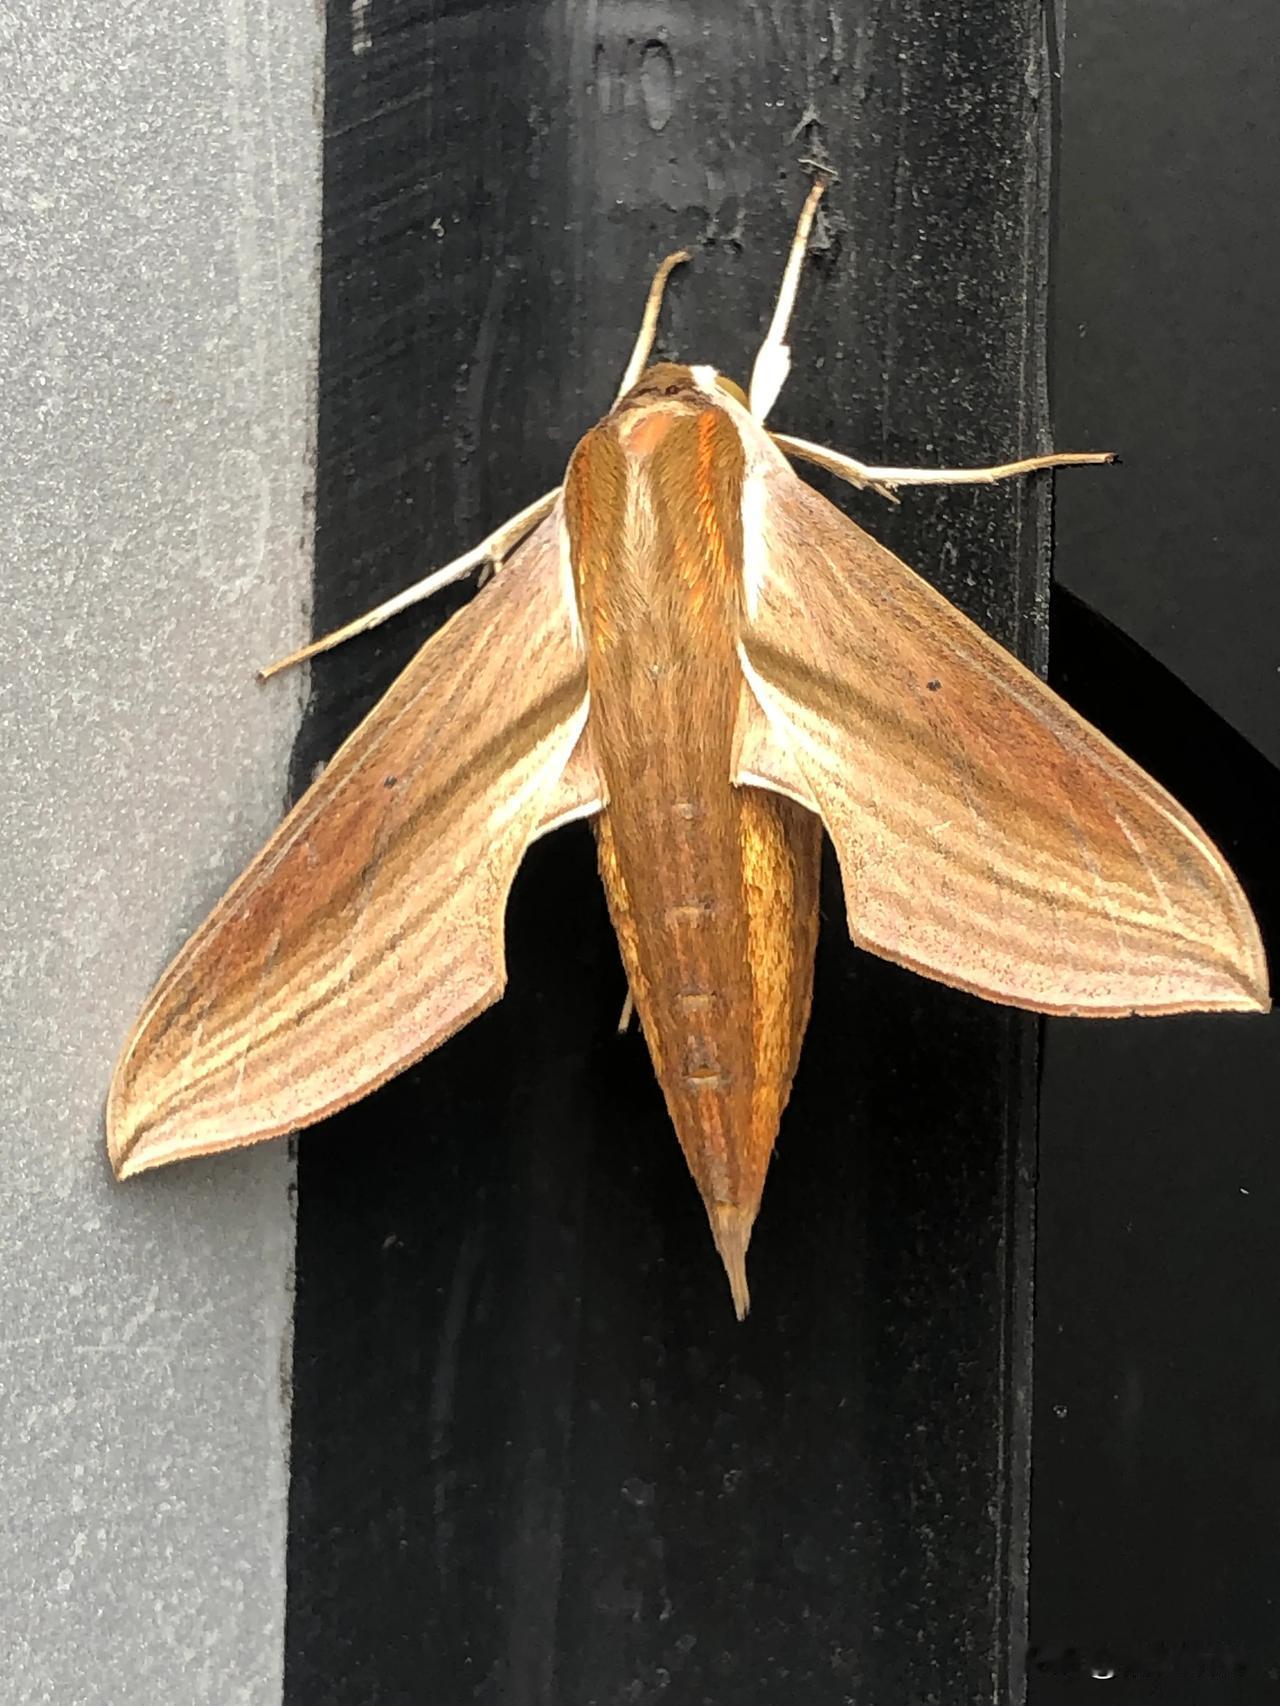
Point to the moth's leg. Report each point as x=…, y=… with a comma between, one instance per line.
x=847, y=467
x=649, y=322
x=627, y=1015
x=490, y=552
x=773, y=360
x=884, y=480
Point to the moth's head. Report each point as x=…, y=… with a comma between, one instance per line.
x=672, y=385
x=664, y=394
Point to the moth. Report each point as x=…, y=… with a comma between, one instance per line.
x=690, y=647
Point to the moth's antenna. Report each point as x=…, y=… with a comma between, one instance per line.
x=773, y=362
x=649, y=324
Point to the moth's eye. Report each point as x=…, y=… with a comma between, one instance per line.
x=735, y=390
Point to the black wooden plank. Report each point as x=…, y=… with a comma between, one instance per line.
x=535, y=1458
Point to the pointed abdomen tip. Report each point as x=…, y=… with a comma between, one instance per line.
x=731, y=1229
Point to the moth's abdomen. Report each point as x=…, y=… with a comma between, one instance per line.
x=720, y=963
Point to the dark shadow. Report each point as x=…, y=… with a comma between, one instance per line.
x=1223, y=781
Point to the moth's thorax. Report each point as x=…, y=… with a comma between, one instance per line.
x=653, y=508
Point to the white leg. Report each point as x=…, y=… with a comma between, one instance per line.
x=649, y=322
x=773, y=361
x=628, y=1013
x=491, y=551
x=856, y=473
x=884, y=480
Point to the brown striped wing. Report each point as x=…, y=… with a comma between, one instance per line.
x=370, y=926
x=987, y=835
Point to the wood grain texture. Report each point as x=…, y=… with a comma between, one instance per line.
x=713, y=890
x=988, y=836
x=370, y=927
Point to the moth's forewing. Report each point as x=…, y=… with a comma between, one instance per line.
x=370, y=926
x=988, y=836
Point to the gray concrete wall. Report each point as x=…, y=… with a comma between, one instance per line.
x=159, y=215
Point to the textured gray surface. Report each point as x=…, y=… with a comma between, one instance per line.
x=158, y=220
